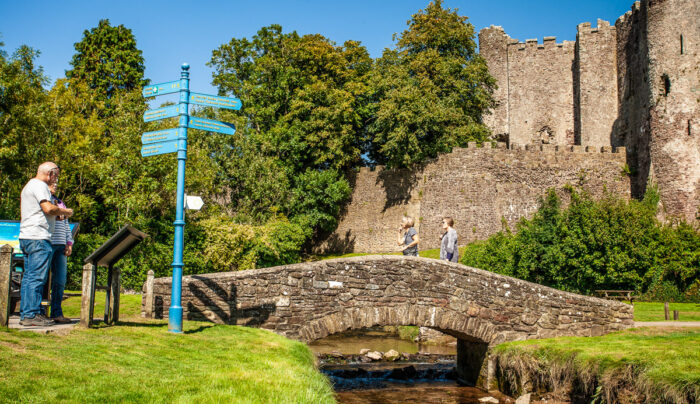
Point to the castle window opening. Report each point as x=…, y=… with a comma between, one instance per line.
x=667, y=84
x=681, y=44
x=690, y=133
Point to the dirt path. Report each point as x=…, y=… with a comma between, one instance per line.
x=667, y=323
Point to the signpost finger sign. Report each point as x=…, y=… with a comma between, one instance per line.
x=175, y=141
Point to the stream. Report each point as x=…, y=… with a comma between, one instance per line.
x=425, y=373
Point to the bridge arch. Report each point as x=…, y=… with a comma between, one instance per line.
x=442, y=319
x=308, y=301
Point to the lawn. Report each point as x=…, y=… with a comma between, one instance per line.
x=652, y=311
x=650, y=362
x=129, y=305
x=434, y=253
x=139, y=361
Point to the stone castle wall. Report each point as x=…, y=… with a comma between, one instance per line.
x=480, y=187
x=635, y=84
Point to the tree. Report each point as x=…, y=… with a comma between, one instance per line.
x=304, y=111
x=430, y=90
x=107, y=60
x=25, y=122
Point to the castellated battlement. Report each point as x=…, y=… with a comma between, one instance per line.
x=614, y=153
x=585, y=27
x=548, y=42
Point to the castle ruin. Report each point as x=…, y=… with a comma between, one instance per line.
x=616, y=108
x=635, y=84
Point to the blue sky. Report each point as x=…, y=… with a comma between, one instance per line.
x=175, y=31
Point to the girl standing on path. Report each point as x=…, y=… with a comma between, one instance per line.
x=448, y=241
x=408, y=237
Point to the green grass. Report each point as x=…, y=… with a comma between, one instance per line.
x=434, y=253
x=650, y=361
x=652, y=311
x=129, y=305
x=139, y=361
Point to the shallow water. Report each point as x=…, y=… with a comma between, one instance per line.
x=376, y=340
x=429, y=381
x=441, y=392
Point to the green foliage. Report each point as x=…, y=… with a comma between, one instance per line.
x=304, y=109
x=606, y=244
x=303, y=95
x=230, y=245
x=430, y=91
x=108, y=61
x=24, y=122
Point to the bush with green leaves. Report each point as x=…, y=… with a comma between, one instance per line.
x=589, y=245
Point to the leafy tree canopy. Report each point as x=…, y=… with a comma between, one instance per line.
x=108, y=60
x=430, y=91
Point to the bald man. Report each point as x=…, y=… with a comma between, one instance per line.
x=35, y=229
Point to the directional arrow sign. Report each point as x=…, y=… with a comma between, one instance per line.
x=155, y=149
x=162, y=88
x=159, y=136
x=215, y=101
x=161, y=113
x=212, y=125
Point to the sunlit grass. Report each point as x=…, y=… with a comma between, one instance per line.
x=433, y=253
x=653, y=311
x=139, y=361
x=663, y=360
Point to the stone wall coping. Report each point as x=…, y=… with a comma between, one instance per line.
x=310, y=266
x=612, y=153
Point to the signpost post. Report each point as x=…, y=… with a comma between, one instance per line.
x=175, y=140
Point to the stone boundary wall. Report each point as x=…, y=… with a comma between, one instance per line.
x=482, y=188
x=311, y=300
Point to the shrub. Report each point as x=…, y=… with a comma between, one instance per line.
x=607, y=244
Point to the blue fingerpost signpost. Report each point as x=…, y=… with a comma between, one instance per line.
x=175, y=140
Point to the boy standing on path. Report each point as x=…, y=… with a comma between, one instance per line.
x=35, y=229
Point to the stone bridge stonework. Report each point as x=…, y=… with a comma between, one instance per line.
x=311, y=300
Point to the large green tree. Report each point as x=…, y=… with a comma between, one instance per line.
x=25, y=122
x=431, y=90
x=107, y=60
x=305, y=108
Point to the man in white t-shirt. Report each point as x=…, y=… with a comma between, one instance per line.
x=38, y=218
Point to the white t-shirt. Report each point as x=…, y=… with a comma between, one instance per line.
x=35, y=224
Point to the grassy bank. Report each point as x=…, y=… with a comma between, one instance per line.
x=140, y=361
x=638, y=365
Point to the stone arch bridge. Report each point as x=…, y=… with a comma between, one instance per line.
x=311, y=300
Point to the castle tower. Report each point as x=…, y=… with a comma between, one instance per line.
x=673, y=36
x=595, y=84
x=493, y=46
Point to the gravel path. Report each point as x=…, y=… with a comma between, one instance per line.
x=667, y=323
